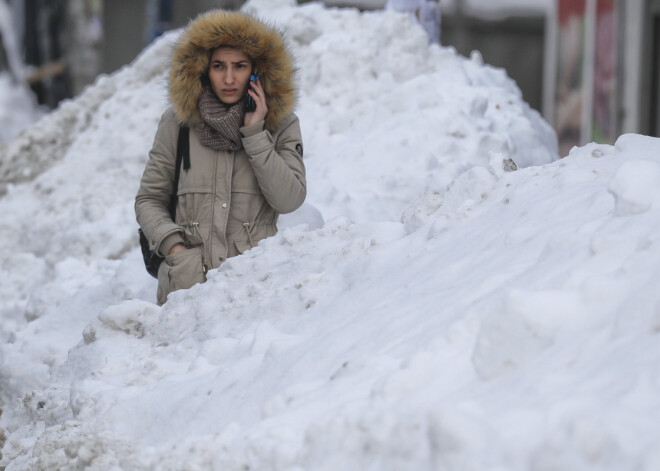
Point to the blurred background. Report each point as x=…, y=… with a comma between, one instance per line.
x=590, y=67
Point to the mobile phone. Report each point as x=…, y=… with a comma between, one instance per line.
x=250, y=105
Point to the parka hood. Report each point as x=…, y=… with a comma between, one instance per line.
x=263, y=44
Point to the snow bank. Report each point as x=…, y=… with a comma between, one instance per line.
x=451, y=312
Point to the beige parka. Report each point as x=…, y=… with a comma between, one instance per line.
x=227, y=201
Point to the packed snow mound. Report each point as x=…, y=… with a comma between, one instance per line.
x=515, y=326
x=452, y=296
x=385, y=120
x=375, y=88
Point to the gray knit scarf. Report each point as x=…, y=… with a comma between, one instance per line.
x=221, y=123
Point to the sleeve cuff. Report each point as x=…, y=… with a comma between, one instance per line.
x=169, y=242
x=252, y=129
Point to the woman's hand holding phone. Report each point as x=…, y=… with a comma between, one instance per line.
x=256, y=92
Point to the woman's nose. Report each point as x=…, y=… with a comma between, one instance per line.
x=229, y=77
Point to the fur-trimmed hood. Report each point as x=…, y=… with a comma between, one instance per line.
x=259, y=41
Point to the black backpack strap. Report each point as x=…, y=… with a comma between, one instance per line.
x=182, y=155
x=183, y=146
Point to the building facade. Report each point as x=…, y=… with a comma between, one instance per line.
x=602, y=78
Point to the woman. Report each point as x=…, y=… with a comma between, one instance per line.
x=246, y=167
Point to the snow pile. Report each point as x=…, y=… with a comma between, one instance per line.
x=451, y=313
x=395, y=118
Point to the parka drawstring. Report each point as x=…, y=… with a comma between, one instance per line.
x=246, y=226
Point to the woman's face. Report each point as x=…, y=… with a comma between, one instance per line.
x=229, y=73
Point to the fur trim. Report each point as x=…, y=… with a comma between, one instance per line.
x=259, y=41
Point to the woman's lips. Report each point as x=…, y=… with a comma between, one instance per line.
x=229, y=91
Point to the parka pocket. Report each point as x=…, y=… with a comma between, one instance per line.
x=194, y=204
x=180, y=270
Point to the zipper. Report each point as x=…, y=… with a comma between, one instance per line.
x=195, y=228
x=207, y=256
